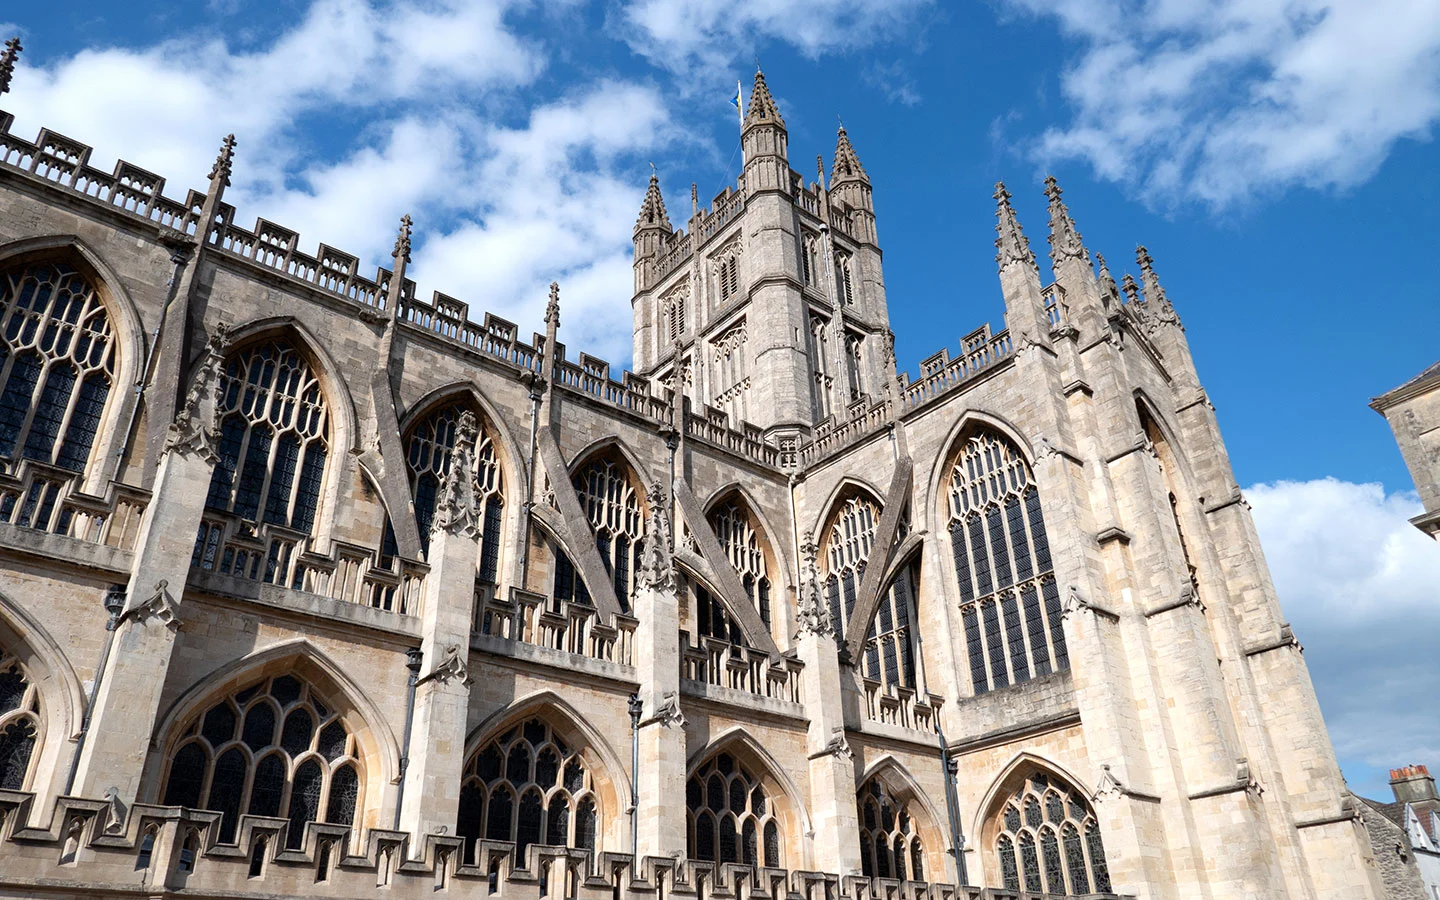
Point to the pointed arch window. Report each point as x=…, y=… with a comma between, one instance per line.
x=890, y=845
x=844, y=279
x=1047, y=839
x=820, y=366
x=1009, y=600
x=730, y=816
x=809, y=257
x=275, y=748
x=428, y=451
x=890, y=644
x=612, y=505
x=57, y=365
x=740, y=540
x=19, y=723
x=528, y=786
x=274, y=438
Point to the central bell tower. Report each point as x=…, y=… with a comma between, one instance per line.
x=769, y=306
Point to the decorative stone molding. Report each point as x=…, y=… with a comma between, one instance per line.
x=837, y=747
x=115, y=812
x=1075, y=603
x=451, y=667
x=813, y=615
x=657, y=556
x=455, y=511
x=159, y=607
x=667, y=711
x=1188, y=597
x=196, y=427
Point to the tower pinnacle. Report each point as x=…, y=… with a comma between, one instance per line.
x=1158, y=307
x=652, y=210
x=847, y=164
x=221, y=169
x=762, y=105
x=7, y=62
x=1011, y=244
x=1065, y=240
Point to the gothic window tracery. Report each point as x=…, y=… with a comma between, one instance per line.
x=612, y=506
x=809, y=258
x=731, y=375
x=853, y=370
x=890, y=646
x=19, y=723
x=1047, y=839
x=428, y=453
x=730, y=816
x=673, y=313
x=57, y=364
x=820, y=363
x=844, y=280
x=274, y=438
x=740, y=539
x=890, y=845
x=1009, y=600
x=528, y=786
x=275, y=748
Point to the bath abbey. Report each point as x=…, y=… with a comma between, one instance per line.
x=312, y=586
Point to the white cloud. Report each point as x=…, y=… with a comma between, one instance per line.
x=1220, y=100
x=1361, y=586
x=705, y=36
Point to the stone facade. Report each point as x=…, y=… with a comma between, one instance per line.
x=1413, y=411
x=312, y=586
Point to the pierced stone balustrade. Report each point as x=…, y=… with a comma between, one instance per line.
x=530, y=618
x=47, y=498
x=724, y=664
x=901, y=706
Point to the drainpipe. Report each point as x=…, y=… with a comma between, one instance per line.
x=952, y=805
x=636, y=706
x=413, y=660
x=115, y=605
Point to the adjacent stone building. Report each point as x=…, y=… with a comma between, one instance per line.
x=315, y=587
x=1413, y=411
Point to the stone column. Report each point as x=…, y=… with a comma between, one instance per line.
x=128, y=699
x=660, y=805
x=832, y=768
x=437, y=735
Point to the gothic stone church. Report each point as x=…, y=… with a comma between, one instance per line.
x=312, y=587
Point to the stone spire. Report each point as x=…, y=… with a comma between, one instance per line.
x=657, y=560
x=652, y=210
x=1011, y=245
x=847, y=165
x=221, y=170
x=455, y=511
x=762, y=105
x=1132, y=291
x=7, y=62
x=402, y=240
x=552, y=307
x=1108, y=291
x=1158, y=309
x=1065, y=240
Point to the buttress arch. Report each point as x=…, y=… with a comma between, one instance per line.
x=379, y=749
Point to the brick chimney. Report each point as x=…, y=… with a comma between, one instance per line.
x=1413, y=784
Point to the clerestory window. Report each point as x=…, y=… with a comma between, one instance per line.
x=429, y=449
x=612, y=505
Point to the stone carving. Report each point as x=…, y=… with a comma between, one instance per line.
x=813, y=615
x=1075, y=602
x=1108, y=785
x=667, y=711
x=1065, y=240
x=455, y=512
x=837, y=746
x=552, y=308
x=657, y=560
x=1243, y=776
x=1157, y=311
x=402, y=240
x=220, y=172
x=451, y=667
x=159, y=607
x=1011, y=245
x=196, y=427
x=115, y=811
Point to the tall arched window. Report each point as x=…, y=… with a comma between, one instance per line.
x=1048, y=840
x=739, y=537
x=57, y=362
x=274, y=438
x=890, y=648
x=530, y=787
x=19, y=723
x=890, y=845
x=427, y=456
x=1009, y=601
x=273, y=749
x=1169, y=473
x=612, y=505
x=729, y=816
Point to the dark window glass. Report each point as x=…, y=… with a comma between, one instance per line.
x=304, y=801
x=187, y=774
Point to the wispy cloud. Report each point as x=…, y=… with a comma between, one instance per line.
x=1361, y=586
x=1220, y=101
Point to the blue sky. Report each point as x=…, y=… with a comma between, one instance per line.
x=1275, y=157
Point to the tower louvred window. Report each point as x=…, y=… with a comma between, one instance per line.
x=890, y=650
x=274, y=438
x=275, y=748
x=1047, y=839
x=428, y=454
x=528, y=786
x=57, y=365
x=1009, y=600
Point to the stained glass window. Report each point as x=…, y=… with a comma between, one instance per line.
x=1041, y=824
x=428, y=450
x=247, y=752
x=890, y=845
x=19, y=723
x=725, y=808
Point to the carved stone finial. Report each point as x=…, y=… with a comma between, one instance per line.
x=220, y=172
x=455, y=512
x=1132, y=291
x=7, y=62
x=552, y=308
x=115, y=811
x=657, y=553
x=1065, y=240
x=196, y=426
x=1158, y=309
x=1011, y=245
x=813, y=616
x=652, y=209
x=402, y=240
